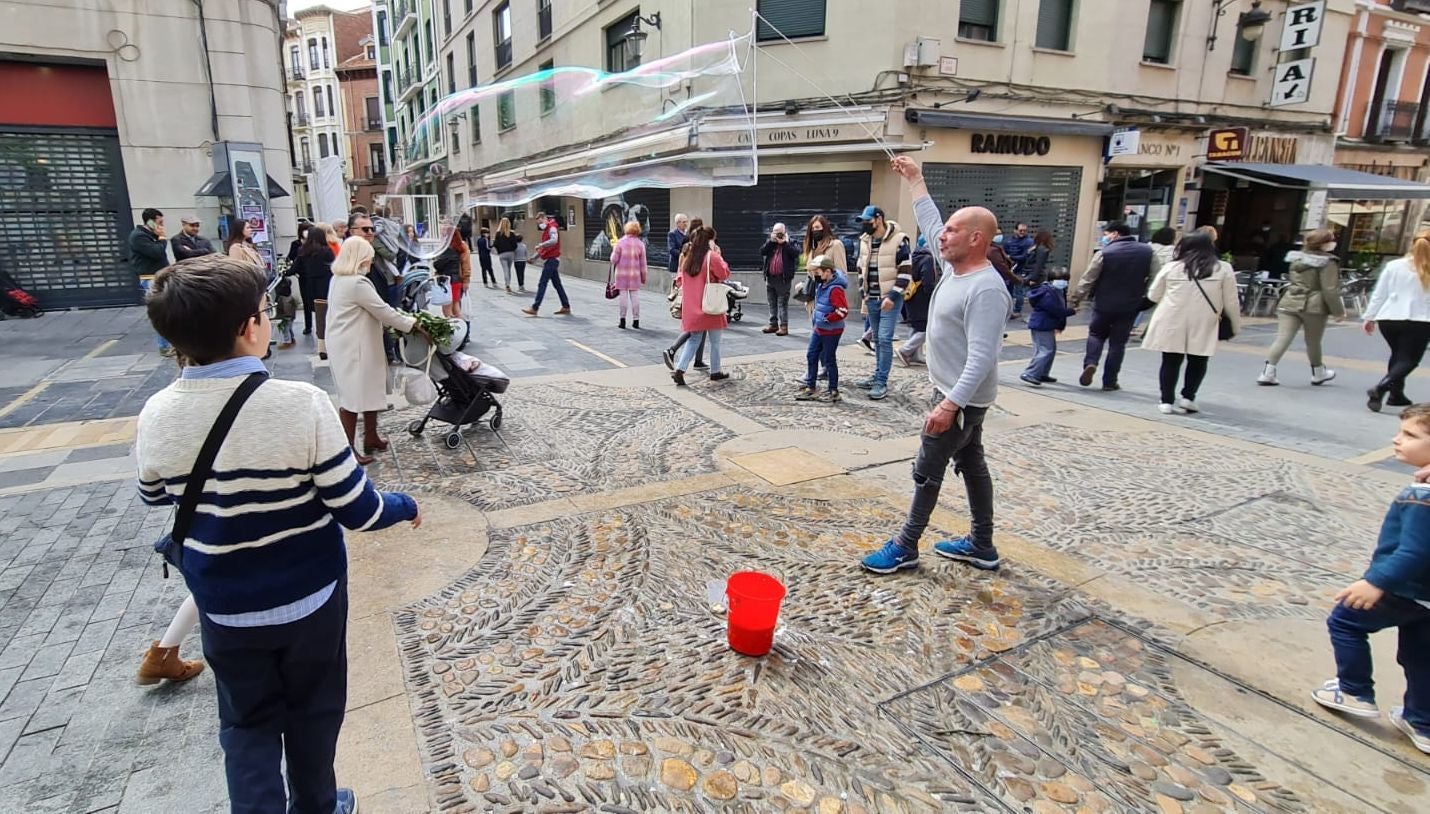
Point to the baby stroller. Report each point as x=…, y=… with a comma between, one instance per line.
x=463, y=397
x=738, y=292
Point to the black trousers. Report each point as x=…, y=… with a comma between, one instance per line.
x=306, y=290
x=1112, y=331
x=961, y=445
x=1172, y=370
x=520, y=273
x=1407, y=340
x=488, y=274
x=282, y=690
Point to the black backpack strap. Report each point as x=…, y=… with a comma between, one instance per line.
x=204, y=464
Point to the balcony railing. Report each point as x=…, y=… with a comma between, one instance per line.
x=1397, y=122
x=301, y=120
x=296, y=73
x=307, y=167
x=374, y=124
x=405, y=12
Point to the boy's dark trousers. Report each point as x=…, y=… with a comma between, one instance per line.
x=1350, y=631
x=282, y=690
x=823, y=349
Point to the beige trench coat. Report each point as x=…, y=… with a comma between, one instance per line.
x=356, y=317
x=1183, y=322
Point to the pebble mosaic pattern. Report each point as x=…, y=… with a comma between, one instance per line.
x=1088, y=721
x=555, y=441
x=580, y=665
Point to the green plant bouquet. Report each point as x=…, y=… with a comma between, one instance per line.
x=438, y=329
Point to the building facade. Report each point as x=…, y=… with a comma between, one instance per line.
x=415, y=32
x=110, y=110
x=362, y=116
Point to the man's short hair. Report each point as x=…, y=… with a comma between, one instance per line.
x=358, y=210
x=1120, y=227
x=355, y=217
x=1418, y=413
x=151, y=214
x=201, y=304
x=1020, y=225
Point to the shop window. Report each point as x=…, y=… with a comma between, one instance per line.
x=543, y=20
x=1243, y=56
x=548, y=89
x=793, y=18
x=978, y=20
x=501, y=34
x=1161, y=31
x=506, y=111
x=617, y=60
x=1055, y=19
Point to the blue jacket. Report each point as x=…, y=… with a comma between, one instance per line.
x=674, y=242
x=831, y=305
x=1017, y=248
x=1401, y=562
x=1050, y=310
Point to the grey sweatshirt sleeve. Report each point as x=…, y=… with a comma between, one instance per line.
x=930, y=224
x=985, y=319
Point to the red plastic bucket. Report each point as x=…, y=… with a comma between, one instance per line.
x=754, y=611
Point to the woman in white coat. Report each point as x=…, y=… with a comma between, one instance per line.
x=356, y=316
x=1192, y=292
x=1400, y=306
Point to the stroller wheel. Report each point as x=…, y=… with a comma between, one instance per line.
x=737, y=316
x=453, y=440
x=495, y=421
x=414, y=427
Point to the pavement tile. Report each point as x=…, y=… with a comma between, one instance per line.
x=29, y=757
x=48, y=660
x=21, y=649
x=95, y=636
x=24, y=698
x=77, y=671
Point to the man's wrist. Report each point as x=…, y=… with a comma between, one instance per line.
x=948, y=405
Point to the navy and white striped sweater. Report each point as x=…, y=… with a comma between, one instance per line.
x=269, y=527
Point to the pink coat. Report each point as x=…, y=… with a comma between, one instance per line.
x=628, y=263
x=692, y=319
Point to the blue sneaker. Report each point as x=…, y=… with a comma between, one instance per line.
x=347, y=802
x=890, y=558
x=878, y=391
x=964, y=551
x=865, y=384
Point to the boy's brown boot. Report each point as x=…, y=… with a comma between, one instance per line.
x=164, y=662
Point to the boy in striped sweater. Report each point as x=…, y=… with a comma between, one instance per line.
x=264, y=556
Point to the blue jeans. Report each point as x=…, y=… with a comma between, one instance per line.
x=882, y=323
x=1350, y=630
x=823, y=350
x=551, y=273
x=687, y=354
x=1045, y=348
x=1017, y=292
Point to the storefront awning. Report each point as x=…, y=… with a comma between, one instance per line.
x=220, y=185
x=1338, y=182
x=1005, y=124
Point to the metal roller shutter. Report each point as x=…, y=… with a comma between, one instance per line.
x=792, y=18
x=744, y=215
x=1042, y=197
x=64, y=217
x=650, y=207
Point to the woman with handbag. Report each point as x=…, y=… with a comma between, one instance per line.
x=628, y=274
x=703, y=301
x=1400, y=307
x=1197, y=306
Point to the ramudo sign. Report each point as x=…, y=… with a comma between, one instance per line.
x=1010, y=144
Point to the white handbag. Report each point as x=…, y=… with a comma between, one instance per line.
x=419, y=389
x=715, y=299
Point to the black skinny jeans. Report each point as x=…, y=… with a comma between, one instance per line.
x=1407, y=340
x=1172, y=370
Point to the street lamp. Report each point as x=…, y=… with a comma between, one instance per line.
x=634, y=41
x=1250, y=24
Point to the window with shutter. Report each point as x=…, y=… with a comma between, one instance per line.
x=1243, y=56
x=617, y=60
x=506, y=111
x=793, y=18
x=1055, y=24
x=1161, y=27
x=978, y=20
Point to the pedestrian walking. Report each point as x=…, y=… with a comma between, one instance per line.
x=519, y=261
x=240, y=244
x=1312, y=296
x=1193, y=294
x=549, y=250
x=1116, y=281
x=264, y=557
x=504, y=242
x=1393, y=593
x=702, y=266
x=188, y=243
x=966, y=320
x=315, y=269
x=831, y=306
x=1400, y=307
x=297, y=244
x=628, y=273
x=357, y=314
x=668, y=355
x=1035, y=268
x=1049, y=318
x=916, y=302
x=675, y=241
x=819, y=239
x=885, y=270
x=779, y=262
x=1018, y=246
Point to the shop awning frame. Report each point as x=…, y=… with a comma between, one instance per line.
x=220, y=185
x=1005, y=124
x=1338, y=182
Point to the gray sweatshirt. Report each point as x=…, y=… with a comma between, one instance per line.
x=965, y=329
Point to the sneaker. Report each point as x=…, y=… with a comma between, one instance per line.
x=563, y=311
x=347, y=802
x=1087, y=373
x=1111, y=388
x=700, y=366
x=719, y=377
x=823, y=376
x=903, y=357
x=805, y=393
x=1166, y=409
x=1322, y=374
x=668, y=356
x=1329, y=695
x=864, y=384
x=1188, y=405
x=867, y=340
x=878, y=392
x=1420, y=739
x=1374, y=399
x=1031, y=382
x=678, y=376
x=965, y=552
x=832, y=397
x=890, y=558
x=1398, y=400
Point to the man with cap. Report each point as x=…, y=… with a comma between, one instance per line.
x=885, y=271
x=188, y=242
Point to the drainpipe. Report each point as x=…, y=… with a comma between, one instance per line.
x=208, y=69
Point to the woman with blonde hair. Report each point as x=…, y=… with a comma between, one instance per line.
x=330, y=230
x=357, y=314
x=1400, y=307
x=505, y=245
x=1312, y=295
x=628, y=272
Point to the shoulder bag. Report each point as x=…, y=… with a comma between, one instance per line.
x=171, y=545
x=715, y=299
x=1224, y=331
x=611, y=291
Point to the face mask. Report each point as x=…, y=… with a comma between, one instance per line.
x=816, y=235
x=869, y=228
x=1061, y=285
x=1104, y=240
x=998, y=239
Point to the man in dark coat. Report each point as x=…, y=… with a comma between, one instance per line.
x=147, y=250
x=1116, y=281
x=188, y=242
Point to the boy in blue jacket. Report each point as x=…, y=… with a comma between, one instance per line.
x=831, y=306
x=1050, y=317
x=1395, y=592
